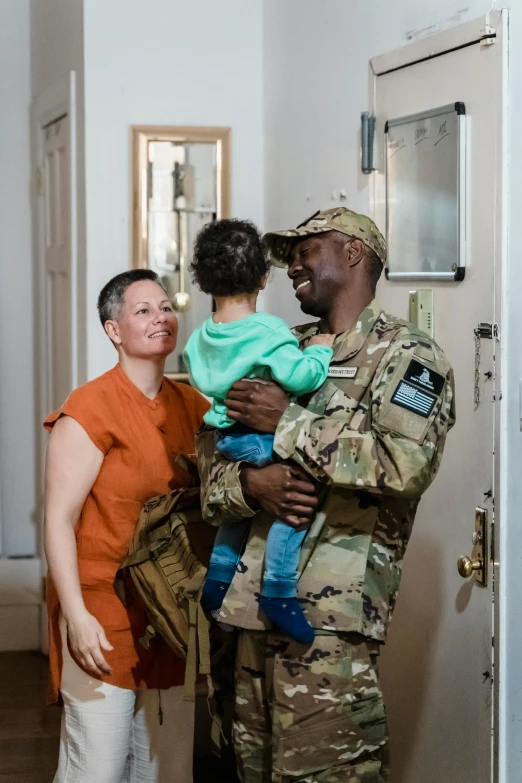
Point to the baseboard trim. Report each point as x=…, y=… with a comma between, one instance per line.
x=20, y=603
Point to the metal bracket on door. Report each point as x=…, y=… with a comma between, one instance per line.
x=478, y=562
x=484, y=331
x=487, y=331
x=488, y=36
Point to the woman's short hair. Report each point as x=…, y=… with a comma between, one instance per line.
x=111, y=298
x=229, y=258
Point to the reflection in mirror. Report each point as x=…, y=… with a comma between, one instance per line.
x=181, y=182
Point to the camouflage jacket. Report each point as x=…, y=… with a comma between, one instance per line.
x=375, y=433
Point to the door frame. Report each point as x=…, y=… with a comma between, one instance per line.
x=56, y=101
x=490, y=30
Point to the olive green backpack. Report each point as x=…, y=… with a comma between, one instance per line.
x=167, y=563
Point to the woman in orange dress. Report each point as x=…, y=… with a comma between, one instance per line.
x=113, y=446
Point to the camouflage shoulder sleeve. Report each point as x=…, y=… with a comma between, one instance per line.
x=399, y=449
x=222, y=498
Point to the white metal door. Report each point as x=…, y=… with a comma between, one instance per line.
x=57, y=260
x=438, y=666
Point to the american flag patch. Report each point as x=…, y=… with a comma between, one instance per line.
x=413, y=399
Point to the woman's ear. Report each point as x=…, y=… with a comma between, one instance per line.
x=113, y=332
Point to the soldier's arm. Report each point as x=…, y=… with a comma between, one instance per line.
x=229, y=490
x=401, y=452
x=222, y=498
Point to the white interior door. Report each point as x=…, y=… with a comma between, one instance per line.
x=56, y=192
x=55, y=284
x=438, y=666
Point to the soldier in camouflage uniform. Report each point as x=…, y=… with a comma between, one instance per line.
x=371, y=439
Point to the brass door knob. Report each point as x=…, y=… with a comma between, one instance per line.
x=466, y=566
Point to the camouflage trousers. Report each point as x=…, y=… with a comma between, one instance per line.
x=316, y=717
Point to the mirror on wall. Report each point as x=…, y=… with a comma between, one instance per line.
x=181, y=181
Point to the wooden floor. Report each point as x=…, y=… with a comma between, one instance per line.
x=30, y=731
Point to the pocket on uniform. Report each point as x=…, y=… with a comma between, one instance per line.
x=332, y=714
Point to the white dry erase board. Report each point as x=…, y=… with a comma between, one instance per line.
x=425, y=195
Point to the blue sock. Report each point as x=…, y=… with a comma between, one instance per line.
x=213, y=594
x=288, y=615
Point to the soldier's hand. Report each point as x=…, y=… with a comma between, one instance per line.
x=257, y=404
x=282, y=491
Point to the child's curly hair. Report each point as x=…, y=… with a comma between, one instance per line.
x=229, y=258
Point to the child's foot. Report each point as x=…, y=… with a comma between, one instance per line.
x=288, y=615
x=213, y=594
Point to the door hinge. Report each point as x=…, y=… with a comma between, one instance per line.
x=367, y=142
x=38, y=181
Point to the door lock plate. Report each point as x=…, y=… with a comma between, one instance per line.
x=478, y=562
x=481, y=548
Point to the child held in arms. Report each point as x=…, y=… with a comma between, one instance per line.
x=230, y=263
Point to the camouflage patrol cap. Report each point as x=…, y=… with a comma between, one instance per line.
x=338, y=219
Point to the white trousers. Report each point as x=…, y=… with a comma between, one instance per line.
x=113, y=735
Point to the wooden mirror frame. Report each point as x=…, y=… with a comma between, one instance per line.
x=141, y=135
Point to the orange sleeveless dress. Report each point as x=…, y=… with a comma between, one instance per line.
x=140, y=440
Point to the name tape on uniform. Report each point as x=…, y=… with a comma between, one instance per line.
x=408, y=396
x=342, y=372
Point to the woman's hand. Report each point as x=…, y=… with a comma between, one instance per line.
x=86, y=641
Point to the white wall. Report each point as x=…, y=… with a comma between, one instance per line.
x=178, y=63
x=316, y=85
x=17, y=426
x=56, y=41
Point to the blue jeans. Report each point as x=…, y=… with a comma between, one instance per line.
x=283, y=547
